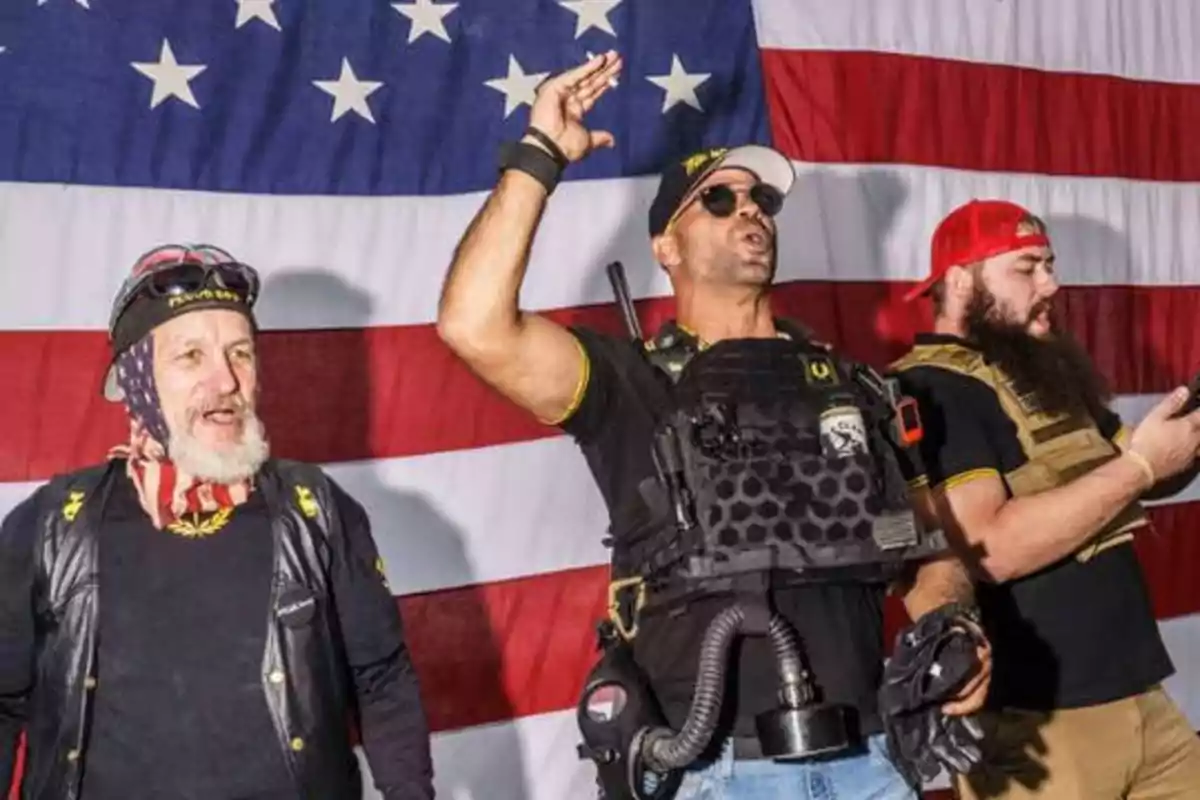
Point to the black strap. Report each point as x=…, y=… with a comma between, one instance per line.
x=549, y=144
x=532, y=160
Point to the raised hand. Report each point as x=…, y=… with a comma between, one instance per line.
x=564, y=99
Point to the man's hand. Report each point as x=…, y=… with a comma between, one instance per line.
x=974, y=692
x=533, y=361
x=1167, y=444
x=942, y=650
x=562, y=101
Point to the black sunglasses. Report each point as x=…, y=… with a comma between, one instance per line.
x=720, y=199
x=188, y=277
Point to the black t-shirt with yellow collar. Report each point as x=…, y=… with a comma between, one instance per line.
x=840, y=625
x=1075, y=633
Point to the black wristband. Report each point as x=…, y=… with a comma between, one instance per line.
x=532, y=160
x=550, y=145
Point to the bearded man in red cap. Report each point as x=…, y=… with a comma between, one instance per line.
x=1038, y=483
x=194, y=619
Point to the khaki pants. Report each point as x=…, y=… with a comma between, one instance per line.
x=1139, y=748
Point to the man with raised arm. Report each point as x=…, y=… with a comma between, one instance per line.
x=755, y=481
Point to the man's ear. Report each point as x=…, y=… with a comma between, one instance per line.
x=960, y=283
x=666, y=251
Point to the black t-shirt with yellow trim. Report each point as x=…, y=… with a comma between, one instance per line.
x=840, y=625
x=1075, y=633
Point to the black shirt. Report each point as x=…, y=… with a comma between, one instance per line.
x=840, y=625
x=1072, y=634
x=179, y=709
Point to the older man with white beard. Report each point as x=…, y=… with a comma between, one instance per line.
x=192, y=618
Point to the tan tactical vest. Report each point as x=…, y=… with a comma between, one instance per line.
x=1058, y=448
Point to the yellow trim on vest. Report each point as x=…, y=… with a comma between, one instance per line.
x=919, y=482
x=967, y=477
x=580, y=388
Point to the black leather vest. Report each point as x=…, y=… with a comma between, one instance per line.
x=777, y=455
x=303, y=675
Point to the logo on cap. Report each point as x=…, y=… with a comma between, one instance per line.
x=699, y=160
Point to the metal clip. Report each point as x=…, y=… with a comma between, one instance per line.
x=627, y=632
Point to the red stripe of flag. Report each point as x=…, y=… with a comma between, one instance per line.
x=867, y=107
x=342, y=395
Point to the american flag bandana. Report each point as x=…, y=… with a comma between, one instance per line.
x=135, y=376
x=165, y=491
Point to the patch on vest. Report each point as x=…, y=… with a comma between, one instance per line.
x=894, y=530
x=819, y=371
x=195, y=526
x=843, y=432
x=70, y=508
x=296, y=607
x=1028, y=402
x=306, y=502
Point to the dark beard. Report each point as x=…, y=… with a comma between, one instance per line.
x=1055, y=372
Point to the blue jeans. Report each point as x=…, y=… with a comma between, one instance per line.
x=861, y=776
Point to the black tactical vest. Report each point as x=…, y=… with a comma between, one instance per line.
x=776, y=455
x=303, y=677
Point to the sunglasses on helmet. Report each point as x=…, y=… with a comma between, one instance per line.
x=172, y=271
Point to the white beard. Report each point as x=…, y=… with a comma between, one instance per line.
x=228, y=466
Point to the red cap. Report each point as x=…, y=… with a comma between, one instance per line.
x=972, y=232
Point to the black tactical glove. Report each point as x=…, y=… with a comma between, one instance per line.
x=932, y=660
x=922, y=743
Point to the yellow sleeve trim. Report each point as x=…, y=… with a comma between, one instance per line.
x=1121, y=440
x=919, y=482
x=585, y=374
x=967, y=477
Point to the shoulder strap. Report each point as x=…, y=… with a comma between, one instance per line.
x=671, y=349
x=801, y=333
x=949, y=356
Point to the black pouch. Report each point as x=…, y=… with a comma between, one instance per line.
x=615, y=706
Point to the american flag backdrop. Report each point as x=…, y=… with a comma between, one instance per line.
x=342, y=146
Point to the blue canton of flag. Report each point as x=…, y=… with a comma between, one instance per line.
x=360, y=97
